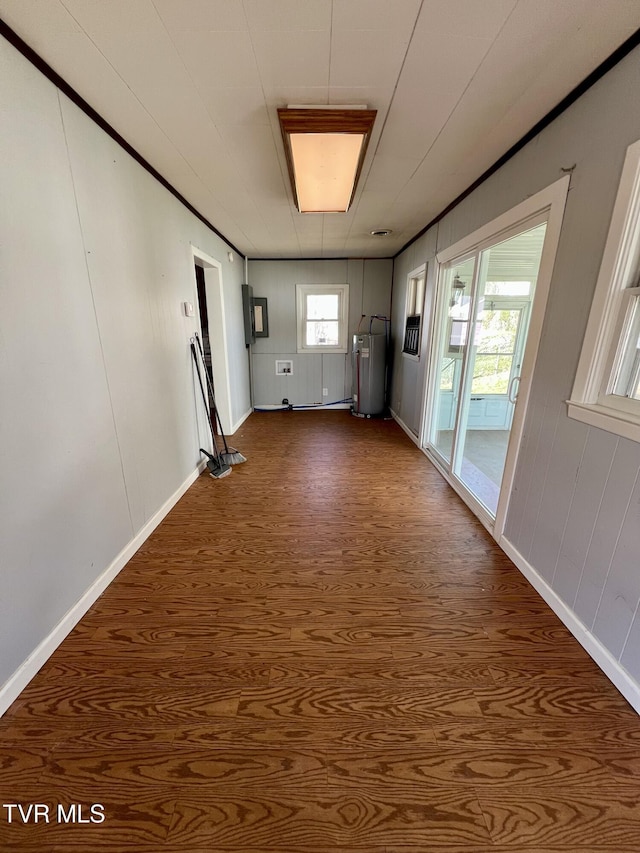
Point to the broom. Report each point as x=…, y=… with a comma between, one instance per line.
x=217, y=466
x=230, y=455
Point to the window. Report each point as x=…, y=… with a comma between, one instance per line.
x=414, y=311
x=626, y=376
x=323, y=314
x=606, y=392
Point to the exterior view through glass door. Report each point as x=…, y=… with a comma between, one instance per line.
x=485, y=309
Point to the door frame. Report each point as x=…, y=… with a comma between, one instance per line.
x=217, y=332
x=550, y=200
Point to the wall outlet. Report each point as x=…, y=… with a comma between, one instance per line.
x=325, y=392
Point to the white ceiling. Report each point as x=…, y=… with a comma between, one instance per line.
x=194, y=85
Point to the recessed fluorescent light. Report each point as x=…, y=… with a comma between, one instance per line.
x=325, y=148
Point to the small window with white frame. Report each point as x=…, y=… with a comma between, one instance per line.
x=323, y=316
x=414, y=311
x=606, y=391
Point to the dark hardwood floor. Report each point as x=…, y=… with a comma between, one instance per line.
x=323, y=652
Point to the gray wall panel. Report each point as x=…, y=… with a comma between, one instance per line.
x=369, y=291
x=559, y=485
x=301, y=387
x=336, y=373
x=604, y=536
x=411, y=395
x=407, y=375
x=621, y=592
x=537, y=477
x=355, y=278
x=376, y=291
x=631, y=655
x=525, y=469
x=592, y=477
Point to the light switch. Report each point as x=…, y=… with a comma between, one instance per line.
x=187, y=307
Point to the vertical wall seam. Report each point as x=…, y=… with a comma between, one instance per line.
x=535, y=448
x=631, y=624
x=570, y=507
x=604, y=489
x=615, y=548
x=534, y=527
x=95, y=312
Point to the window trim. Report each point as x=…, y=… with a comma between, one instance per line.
x=304, y=290
x=591, y=399
x=417, y=273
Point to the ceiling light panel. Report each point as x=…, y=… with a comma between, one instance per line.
x=325, y=167
x=325, y=148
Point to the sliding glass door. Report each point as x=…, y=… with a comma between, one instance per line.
x=456, y=305
x=484, y=311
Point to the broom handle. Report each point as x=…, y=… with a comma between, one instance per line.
x=212, y=395
x=206, y=407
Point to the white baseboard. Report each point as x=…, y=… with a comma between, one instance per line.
x=402, y=425
x=16, y=683
x=240, y=421
x=303, y=407
x=612, y=668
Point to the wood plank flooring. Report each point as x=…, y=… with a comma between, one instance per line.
x=323, y=652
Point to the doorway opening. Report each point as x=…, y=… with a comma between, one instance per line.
x=483, y=333
x=213, y=331
x=204, y=326
x=491, y=296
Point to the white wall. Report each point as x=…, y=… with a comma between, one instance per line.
x=369, y=293
x=574, y=517
x=97, y=424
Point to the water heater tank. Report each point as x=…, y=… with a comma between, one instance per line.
x=368, y=370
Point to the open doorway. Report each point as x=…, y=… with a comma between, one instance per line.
x=204, y=326
x=208, y=278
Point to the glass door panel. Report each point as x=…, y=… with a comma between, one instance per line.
x=500, y=322
x=455, y=319
x=492, y=365
x=484, y=320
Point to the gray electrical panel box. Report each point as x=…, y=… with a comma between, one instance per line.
x=368, y=363
x=247, y=310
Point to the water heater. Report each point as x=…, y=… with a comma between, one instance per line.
x=368, y=371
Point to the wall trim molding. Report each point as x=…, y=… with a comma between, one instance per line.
x=612, y=668
x=302, y=407
x=235, y=427
x=327, y=258
x=414, y=438
x=16, y=683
